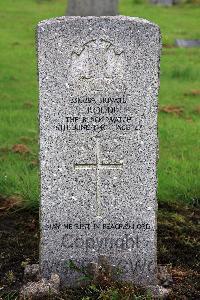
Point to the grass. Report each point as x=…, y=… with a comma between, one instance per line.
x=178, y=171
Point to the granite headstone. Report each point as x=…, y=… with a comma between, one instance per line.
x=92, y=7
x=98, y=84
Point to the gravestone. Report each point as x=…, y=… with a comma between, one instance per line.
x=98, y=82
x=163, y=2
x=187, y=43
x=92, y=7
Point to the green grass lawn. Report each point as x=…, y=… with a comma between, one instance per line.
x=179, y=133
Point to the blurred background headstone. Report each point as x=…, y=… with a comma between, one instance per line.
x=92, y=7
x=187, y=43
x=163, y=2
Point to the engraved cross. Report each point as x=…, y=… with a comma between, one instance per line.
x=98, y=166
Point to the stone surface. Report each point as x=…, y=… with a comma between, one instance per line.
x=32, y=272
x=187, y=43
x=98, y=81
x=92, y=7
x=163, y=2
x=165, y=275
x=41, y=289
x=101, y=271
x=159, y=292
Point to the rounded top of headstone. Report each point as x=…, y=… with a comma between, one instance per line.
x=66, y=19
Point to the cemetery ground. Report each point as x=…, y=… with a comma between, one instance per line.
x=178, y=235
x=179, y=127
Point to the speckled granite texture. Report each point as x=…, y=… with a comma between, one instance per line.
x=98, y=83
x=92, y=7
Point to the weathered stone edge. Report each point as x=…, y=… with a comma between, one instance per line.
x=119, y=17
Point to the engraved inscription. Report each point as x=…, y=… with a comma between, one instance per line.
x=98, y=165
x=97, y=91
x=98, y=66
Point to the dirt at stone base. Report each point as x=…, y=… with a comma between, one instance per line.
x=19, y=245
x=178, y=246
